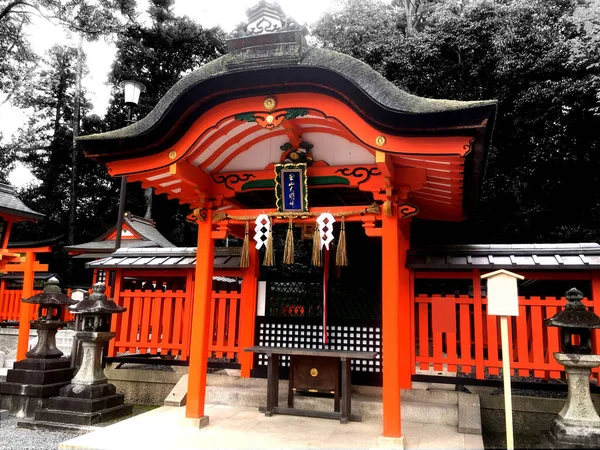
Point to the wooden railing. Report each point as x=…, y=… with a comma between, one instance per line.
x=160, y=323
x=155, y=322
x=475, y=346
x=10, y=305
x=224, y=324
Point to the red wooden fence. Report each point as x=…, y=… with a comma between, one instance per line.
x=10, y=305
x=155, y=322
x=160, y=322
x=224, y=324
x=475, y=346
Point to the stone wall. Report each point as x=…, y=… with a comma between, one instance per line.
x=531, y=415
x=144, y=387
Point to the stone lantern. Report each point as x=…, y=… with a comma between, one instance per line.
x=44, y=371
x=578, y=423
x=89, y=399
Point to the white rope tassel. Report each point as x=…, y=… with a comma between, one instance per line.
x=262, y=230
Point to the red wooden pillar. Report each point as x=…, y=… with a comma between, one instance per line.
x=115, y=325
x=596, y=305
x=248, y=313
x=200, y=320
x=26, y=308
x=405, y=310
x=391, y=333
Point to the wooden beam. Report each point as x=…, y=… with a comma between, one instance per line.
x=358, y=217
x=192, y=176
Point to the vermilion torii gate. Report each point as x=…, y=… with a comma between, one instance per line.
x=214, y=140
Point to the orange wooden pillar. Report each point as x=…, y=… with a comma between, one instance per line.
x=25, y=310
x=405, y=308
x=596, y=304
x=390, y=289
x=200, y=321
x=248, y=313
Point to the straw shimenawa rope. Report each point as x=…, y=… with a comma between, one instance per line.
x=372, y=209
x=288, y=250
x=316, y=253
x=245, y=258
x=341, y=257
x=269, y=256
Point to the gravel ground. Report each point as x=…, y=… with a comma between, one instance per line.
x=15, y=438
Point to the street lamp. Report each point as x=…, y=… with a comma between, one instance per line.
x=132, y=90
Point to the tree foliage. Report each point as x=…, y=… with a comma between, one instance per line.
x=540, y=62
x=158, y=55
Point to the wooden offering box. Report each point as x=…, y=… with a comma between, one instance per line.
x=314, y=374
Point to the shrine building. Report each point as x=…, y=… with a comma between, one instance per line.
x=279, y=135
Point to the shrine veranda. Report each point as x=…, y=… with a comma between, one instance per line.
x=279, y=143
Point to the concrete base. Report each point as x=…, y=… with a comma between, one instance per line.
x=200, y=423
x=178, y=395
x=3, y=414
x=396, y=443
x=54, y=426
x=469, y=413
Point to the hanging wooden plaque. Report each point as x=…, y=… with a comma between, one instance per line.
x=291, y=189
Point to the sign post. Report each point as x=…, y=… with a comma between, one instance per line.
x=503, y=301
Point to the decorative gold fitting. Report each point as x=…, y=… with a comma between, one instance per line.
x=270, y=118
x=314, y=372
x=172, y=154
x=270, y=103
x=380, y=141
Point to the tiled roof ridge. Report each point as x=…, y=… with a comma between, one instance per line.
x=8, y=189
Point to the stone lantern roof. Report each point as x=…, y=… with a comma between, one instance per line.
x=97, y=303
x=51, y=295
x=575, y=314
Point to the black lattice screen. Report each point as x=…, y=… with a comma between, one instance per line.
x=302, y=333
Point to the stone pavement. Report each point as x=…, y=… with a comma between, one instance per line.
x=245, y=427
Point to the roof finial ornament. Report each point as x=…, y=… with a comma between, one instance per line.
x=266, y=24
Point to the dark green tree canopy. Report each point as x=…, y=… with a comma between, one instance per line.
x=538, y=59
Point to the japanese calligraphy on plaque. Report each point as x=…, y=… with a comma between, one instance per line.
x=291, y=192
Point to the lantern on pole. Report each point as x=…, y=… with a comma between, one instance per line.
x=503, y=301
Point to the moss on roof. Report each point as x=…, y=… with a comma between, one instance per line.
x=363, y=76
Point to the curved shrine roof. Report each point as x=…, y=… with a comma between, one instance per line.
x=340, y=105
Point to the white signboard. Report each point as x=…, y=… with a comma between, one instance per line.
x=502, y=293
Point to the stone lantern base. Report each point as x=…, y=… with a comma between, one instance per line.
x=577, y=424
x=89, y=399
x=32, y=381
x=89, y=405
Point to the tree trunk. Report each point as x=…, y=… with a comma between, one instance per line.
x=74, y=151
x=409, y=8
x=148, y=197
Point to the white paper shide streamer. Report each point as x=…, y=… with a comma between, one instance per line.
x=262, y=230
x=325, y=223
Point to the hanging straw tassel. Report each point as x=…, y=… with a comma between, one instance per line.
x=245, y=257
x=316, y=255
x=288, y=250
x=341, y=257
x=269, y=257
